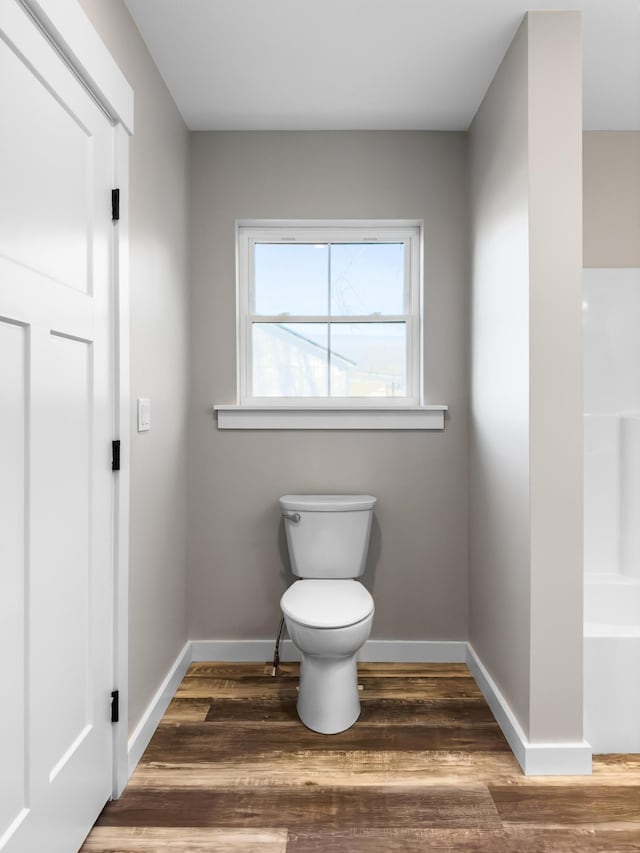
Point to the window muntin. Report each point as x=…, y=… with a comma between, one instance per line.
x=329, y=315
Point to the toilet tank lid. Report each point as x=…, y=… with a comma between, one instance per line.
x=327, y=503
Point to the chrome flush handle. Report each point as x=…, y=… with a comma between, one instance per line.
x=292, y=516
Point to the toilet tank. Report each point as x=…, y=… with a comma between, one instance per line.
x=331, y=539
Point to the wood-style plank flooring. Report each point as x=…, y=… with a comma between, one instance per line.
x=426, y=767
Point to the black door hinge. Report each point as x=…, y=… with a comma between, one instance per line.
x=115, y=205
x=115, y=706
x=115, y=455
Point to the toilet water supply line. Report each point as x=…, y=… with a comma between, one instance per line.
x=276, y=651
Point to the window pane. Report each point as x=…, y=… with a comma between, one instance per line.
x=291, y=279
x=290, y=359
x=368, y=360
x=367, y=278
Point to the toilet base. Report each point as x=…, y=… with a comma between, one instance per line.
x=328, y=699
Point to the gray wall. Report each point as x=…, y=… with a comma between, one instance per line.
x=418, y=562
x=526, y=411
x=159, y=155
x=500, y=603
x=611, y=170
x=555, y=391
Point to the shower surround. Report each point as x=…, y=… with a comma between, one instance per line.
x=611, y=324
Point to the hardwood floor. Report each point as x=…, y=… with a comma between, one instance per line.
x=426, y=767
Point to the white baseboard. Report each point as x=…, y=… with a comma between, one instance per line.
x=379, y=651
x=536, y=759
x=143, y=732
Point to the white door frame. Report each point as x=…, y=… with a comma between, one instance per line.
x=68, y=28
x=121, y=425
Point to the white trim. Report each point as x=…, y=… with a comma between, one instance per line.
x=250, y=232
x=337, y=224
x=558, y=759
x=149, y=721
x=378, y=651
x=313, y=417
x=122, y=430
x=346, y=319
x=536, y=759
x=66, y=25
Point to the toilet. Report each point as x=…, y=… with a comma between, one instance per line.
x=328, y=612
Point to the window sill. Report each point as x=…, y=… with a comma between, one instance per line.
x=311, y=417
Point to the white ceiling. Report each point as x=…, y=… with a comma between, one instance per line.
x=369, y=64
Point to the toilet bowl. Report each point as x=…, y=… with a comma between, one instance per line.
x=328, y=699
x=328, y=613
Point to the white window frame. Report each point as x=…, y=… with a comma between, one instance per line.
x=410, y=234
x=389, y=413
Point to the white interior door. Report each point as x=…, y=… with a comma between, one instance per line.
x=56, y=410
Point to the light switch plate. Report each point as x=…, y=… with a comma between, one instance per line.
x=144, y=414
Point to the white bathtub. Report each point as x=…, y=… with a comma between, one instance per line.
x=612, y=662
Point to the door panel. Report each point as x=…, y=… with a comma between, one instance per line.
x=56, y=381
x=61, y=563
x=54, y=195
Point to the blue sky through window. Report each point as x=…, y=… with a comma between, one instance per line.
x=293, y=279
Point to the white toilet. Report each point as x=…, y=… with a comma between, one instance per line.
x=328, y=613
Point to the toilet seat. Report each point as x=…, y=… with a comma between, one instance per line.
x=327, y=603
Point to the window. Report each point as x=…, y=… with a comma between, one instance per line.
x=329, y=314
